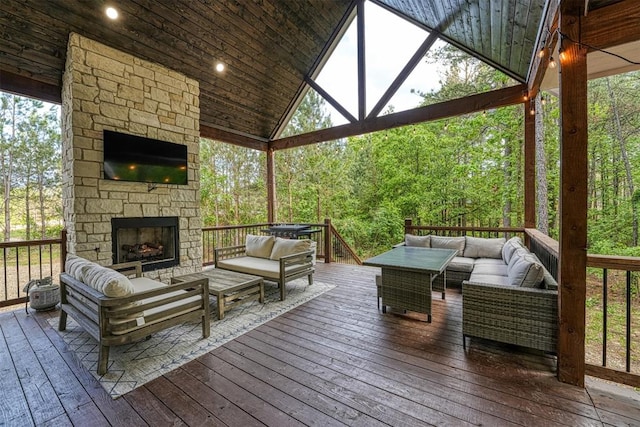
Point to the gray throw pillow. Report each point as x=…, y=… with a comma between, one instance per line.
x=526, y=272
x=419, y=241
x=510, y=247
x=477, y=247
x=455, y=243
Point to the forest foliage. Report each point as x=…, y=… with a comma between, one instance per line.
x=465, y=171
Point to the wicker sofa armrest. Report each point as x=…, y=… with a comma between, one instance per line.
x=515, y=315
x=228, y=252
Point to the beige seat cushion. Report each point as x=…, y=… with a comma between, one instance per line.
x=284, y=247
x=494, y=270
x=257, y=266
x=461, y=264
x=259, y=246
x=489, y=279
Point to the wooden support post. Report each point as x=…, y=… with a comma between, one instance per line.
x=573, y=196
x=530, y=164
x=327, y=240
x=271, y=187
x=362, y=74
x=407, y=226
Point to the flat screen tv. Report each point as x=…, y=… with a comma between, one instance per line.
x=139, y=159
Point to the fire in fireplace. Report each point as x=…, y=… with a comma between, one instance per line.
x=152, y=240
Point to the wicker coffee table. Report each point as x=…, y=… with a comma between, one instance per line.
x=407, y=274
x=229, y=288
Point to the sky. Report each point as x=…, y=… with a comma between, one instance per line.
x=390, y=42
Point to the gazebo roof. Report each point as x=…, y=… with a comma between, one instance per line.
x=271, y=48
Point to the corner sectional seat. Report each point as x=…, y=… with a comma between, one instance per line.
x=115, y=309
x=274, y=258
x=507, y=294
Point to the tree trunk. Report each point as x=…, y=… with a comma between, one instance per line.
x=625, y=158
x=41, y=203
x=541, y=172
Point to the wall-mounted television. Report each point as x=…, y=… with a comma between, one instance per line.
x=139, y=159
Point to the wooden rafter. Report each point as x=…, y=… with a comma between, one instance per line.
x=233, y=138
x=330, y=99
x=612, y=25
x=20, y=85
x=362, y=72
x=483, y=101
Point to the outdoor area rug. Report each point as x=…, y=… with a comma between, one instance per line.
x=132, y=365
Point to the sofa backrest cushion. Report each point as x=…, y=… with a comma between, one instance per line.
x=526, y=272
x=283, y=247
x=110, y=282
x=418, y=241
x=73, y=266
x=259, y=246
x=510, y=247
x=455, y=243
x=477, y=247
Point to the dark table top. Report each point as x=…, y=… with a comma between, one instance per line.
x=428, y=260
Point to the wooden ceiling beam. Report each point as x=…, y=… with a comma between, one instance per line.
x=330, y=99
x=470, y=104
x=230, y=137
x=611, y=25
x=547, y=40
x=24, y=86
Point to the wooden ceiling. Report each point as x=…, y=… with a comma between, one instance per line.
x=268, y=46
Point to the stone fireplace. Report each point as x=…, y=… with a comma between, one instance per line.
x=105, y=89
x=154, y=241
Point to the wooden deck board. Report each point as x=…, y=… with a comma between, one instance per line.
x=335, y=360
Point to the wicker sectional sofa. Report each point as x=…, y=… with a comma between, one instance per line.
x=507, y=294
x=276, y=259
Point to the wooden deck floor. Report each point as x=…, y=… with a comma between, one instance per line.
x=335, y=360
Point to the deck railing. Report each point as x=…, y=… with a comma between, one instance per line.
x=331, y=247
x=23, y=261
x=613, y=300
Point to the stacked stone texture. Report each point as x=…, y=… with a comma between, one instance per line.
x=104, y=88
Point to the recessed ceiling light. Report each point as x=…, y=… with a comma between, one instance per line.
x=112, y=13
x=220, y=67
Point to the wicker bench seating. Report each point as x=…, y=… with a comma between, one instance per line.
x=507, y=294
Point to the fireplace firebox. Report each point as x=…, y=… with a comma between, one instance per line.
x=154, y=241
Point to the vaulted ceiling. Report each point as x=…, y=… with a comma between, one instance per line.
x=268, y=46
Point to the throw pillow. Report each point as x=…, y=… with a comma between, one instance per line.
x=110, y=282
x=419, y=241
x=526, y=272
x=259, y=246
x=283, y=247
x=476, y=247
x=510, y=247
x=455, y=243
x=73, y=266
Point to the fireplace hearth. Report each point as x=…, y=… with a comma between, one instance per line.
x=154, y=241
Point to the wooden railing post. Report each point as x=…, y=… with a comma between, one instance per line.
x=407, y=226
x=63, y=248
x=327, y=240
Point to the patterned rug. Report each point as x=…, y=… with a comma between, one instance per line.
x=132, y=365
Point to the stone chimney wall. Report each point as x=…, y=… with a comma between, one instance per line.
x=104, y=88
